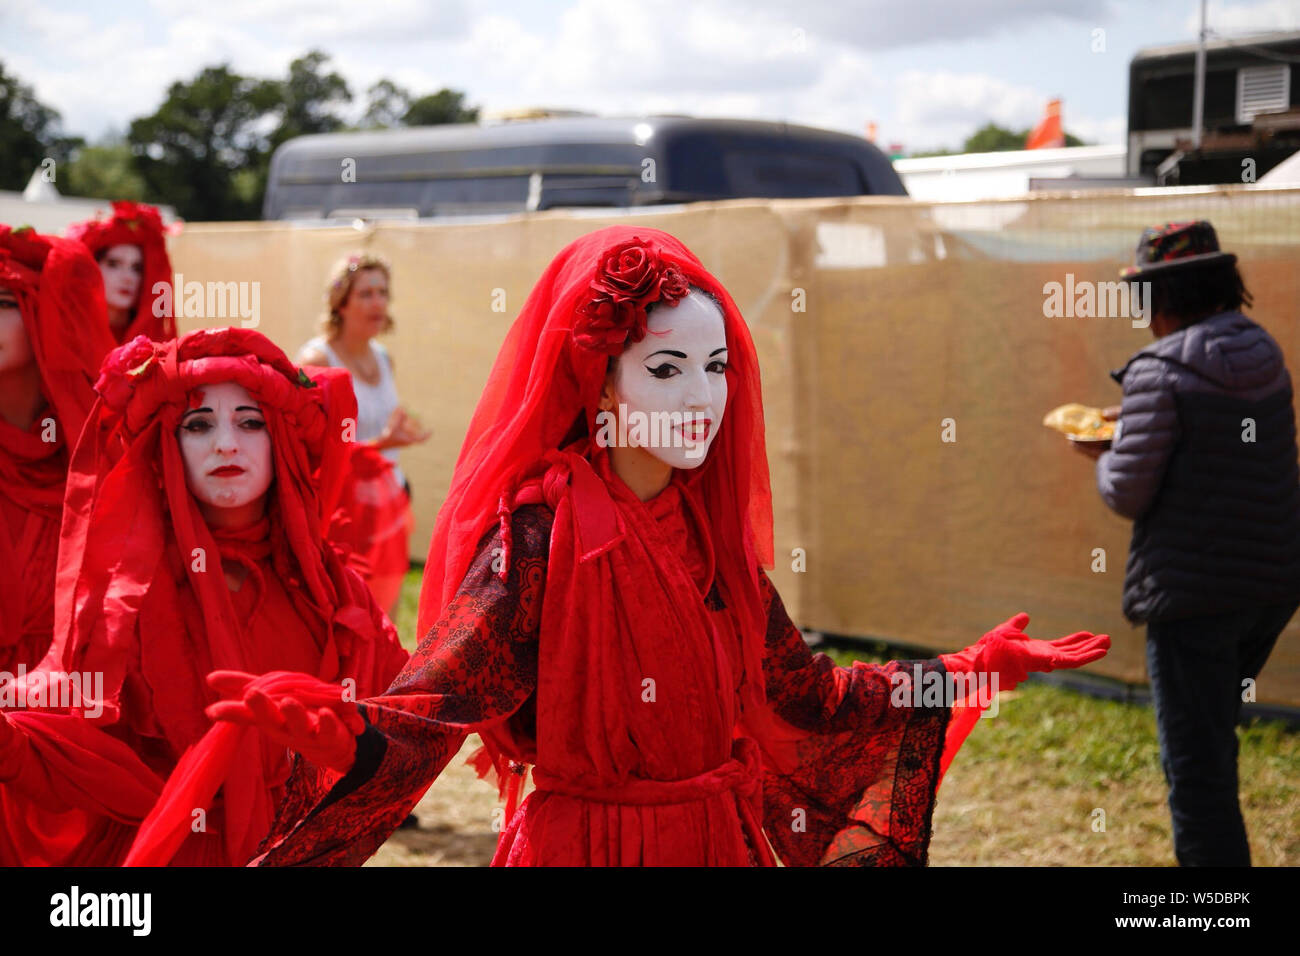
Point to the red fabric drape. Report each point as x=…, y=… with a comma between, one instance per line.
x=61, y=300
x=137, y=224
x=846, y=776
x=373, y=523
x=143, y=602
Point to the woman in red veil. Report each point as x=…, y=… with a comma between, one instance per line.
x=131, y=249
x=594, y=606
x=52, y=339
x=192, y=542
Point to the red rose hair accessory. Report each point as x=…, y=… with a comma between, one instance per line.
x=629, y=278
x=136, y=224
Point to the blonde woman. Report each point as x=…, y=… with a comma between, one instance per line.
x=378, y=499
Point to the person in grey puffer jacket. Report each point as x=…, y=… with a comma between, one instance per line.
x=1204, y=461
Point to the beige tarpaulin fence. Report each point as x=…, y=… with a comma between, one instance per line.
x=876, y=320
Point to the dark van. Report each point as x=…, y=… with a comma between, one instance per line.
x=464, y=169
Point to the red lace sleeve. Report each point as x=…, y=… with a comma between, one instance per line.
x=475, y=668
x=851, y=766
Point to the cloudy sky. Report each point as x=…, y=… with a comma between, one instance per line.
x=928, y=72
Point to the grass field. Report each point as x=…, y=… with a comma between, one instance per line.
x=1024, y=791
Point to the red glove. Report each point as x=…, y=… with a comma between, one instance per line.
x=304, y=714
x=1011, y=654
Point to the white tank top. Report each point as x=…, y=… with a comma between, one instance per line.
x=375, y=403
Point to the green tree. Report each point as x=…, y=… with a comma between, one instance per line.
x=205, y=131
x=105, y=170
x=445, y=106
x=991, y=138
x=386, y=104
x=30, y=133
x=308, y=97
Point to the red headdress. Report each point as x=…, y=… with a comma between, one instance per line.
x=127, y=570
x=136, y=224
x=61, y=296
x=536, y=419
x=61, y=299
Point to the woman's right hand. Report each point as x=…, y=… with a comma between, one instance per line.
x=306, y=715
x=401, y=430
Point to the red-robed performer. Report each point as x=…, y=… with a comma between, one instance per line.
x=131, y=249
x=594, y=606
x=192, y=542
x=52, y=339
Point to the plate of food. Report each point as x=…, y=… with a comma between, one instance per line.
x=1081, y=423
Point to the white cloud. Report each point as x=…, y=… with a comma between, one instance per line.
x=1108, y=131
x=942, y=108
x=303, y=23
x=1247, y=18
x=886, y=24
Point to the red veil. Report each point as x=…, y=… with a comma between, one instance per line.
x=541, y=396
x=136, y=224
x=527, y=411
x=61, y=298
x=135, y=605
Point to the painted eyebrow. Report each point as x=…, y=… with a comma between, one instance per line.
x=238, y=408
x=683, y=354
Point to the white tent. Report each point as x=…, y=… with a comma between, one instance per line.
x=1285, y=173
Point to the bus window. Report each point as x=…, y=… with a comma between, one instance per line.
x=789, y=175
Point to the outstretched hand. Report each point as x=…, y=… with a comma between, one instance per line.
x=298, y=711
x=402, y=429
x=1012, y=654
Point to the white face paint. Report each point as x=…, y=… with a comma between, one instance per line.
x=227, y=453
x=123, y=270
x=670, y=389
x=15, y=347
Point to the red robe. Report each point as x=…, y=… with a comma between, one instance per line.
x=32, y=474
x=373, y=523
x=643, y=753
x=61, y=299
x=86, y=812
x=141, y=604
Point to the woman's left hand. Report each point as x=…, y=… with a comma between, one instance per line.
x=402, y=430
x=1012, y=654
